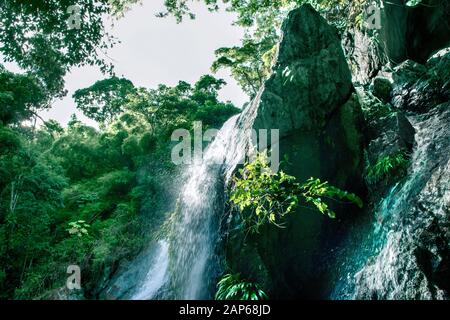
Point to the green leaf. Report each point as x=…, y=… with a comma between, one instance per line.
x=413, y=3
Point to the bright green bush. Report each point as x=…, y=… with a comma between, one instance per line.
x=267, y=197
x=232, y=287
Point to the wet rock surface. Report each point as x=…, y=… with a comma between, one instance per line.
x=413, y=263
x=404, y=253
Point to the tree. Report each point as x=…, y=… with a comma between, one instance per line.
x=38, y=35
x=46, y=38
x=167, y=108
x=105, y=99
x=30, y=194
x=21, y=96
x=112, y=179
x=249, y=64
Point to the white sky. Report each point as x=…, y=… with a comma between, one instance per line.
x=158, y=50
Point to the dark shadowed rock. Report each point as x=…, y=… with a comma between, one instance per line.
x=382, y=89
x=428, y=29
x=404, y=32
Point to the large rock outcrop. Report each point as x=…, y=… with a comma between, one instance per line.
x=402, y=32
x=310, y=99
x=414, y=259
x=410, y=255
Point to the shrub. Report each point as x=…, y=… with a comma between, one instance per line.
x=267, y=197
x=232, y=287
x=390, y=167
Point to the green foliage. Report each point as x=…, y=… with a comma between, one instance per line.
x=267, y=197
x=30, y=197
x=9, y=141
x=232, y=287
x=37, y=36
x=387, y=168
x=104, y=100
x=264, y=14
x=249, y=64
x=20, y=96
x=314, y=191
x=78, y=228
x=168, y=108
x=377, y=111
x=74, y=196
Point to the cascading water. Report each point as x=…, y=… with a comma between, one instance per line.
x=193, y=263
x=186, y=264
x=195, y=232
x=156, y=276
x=384, y=263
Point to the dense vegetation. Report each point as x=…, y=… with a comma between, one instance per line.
x=53, y=177
x=389, y=168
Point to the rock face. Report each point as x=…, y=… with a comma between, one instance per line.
x=384, y=42
x=403, y=33
x=311, y=78
x=404, y=252
x=309, y=98
x=388, y=133
x=399, y=249
x=365, y=57
x=414, y=260
x=422, y=87
x=428, y=30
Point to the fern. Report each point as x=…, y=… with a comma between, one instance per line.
x=232, y=287
x=390, y=166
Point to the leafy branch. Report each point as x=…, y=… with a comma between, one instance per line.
x=267, y=197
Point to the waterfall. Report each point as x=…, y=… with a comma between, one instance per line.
x=156, y=276
x=185, y=265
x=194, y=264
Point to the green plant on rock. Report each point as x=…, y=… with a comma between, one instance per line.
x=78, y=228
x=232, y=287
x=393, y=166
x=267, y=197
x=413, y=3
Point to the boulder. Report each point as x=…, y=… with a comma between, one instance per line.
x=310, y=79
x=310, y=99
x=421, y=87
x=382, y=88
